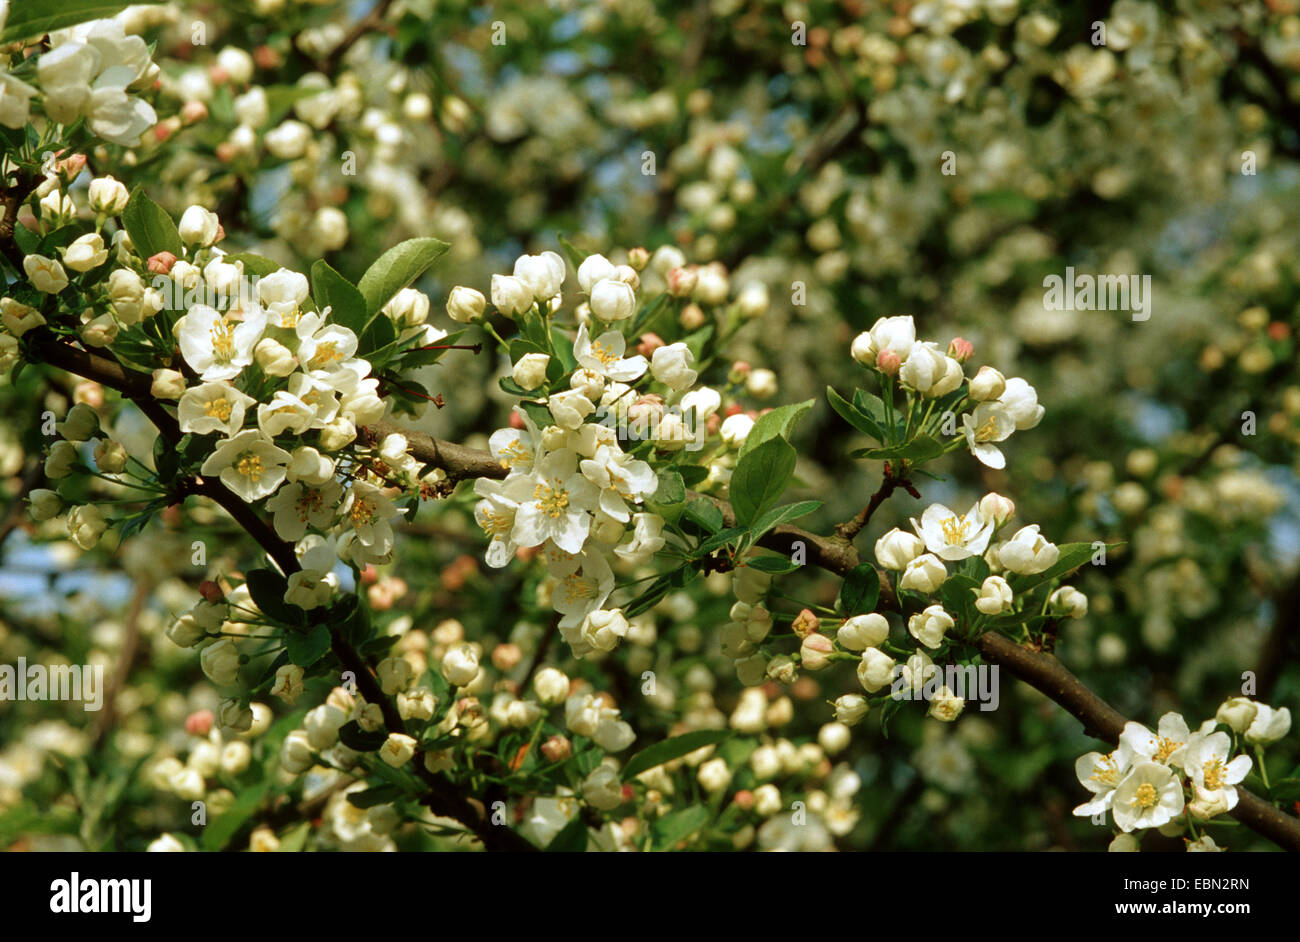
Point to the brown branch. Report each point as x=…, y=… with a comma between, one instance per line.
x=539, y=655
x=12, y=199
x=125, y=659
x=458, y=461
x=851, y=528
x=1041, y=671
x=1049, y=676
x=1272, y=654
x=441, y=798
x=16, y=512
x=371, y=21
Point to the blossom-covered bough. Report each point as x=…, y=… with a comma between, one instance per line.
x=622, y=479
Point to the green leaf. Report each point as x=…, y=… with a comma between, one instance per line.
x=721, y=538
x=572, y=838
x=267, y=589
x=508, y=385
x=150, y=228
x=778, y=423
x=306, y=648
x=692, y=474
x=379, y=795
x=760, y=477
x=706, y=513
x=649, y=598
x=671, y=489
x=330, y=289
x=861, y=590
x=921, y=448
x=773, y=564
x=1073, y=555
x=1285, y=790
x=676, y=826
x=958, y=595
x=166, y=459
x=563, y=346
x=574, y=255
x=295, y=838
x=219, y=831
x=975, y=567
x=380, y=335
x=858, y=420
x=257, y=265
x=670, y=749
x=779, y=515
x=29, y=19
x=540, y=415
x=354, y=737
x=396, y=269
x=414, y=357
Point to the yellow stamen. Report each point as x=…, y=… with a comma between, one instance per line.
x=576, y=587
x=250, y=466
x=988, y=431
x=1214, y=773
x=223, y=340
x=362, y=512
x=1165, y=748
x=1106, y=772
x=552, y=500
x=1146, y=796
x=325, y=354
x=954, y=530
x=606, y=357
x=219, y=408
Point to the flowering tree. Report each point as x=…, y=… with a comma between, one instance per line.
x=553, y=563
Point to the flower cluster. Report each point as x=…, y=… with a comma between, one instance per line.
x=571, y=491
x=1001, y=406
x=1173, y=778
x=986, y=556
x=88, y=72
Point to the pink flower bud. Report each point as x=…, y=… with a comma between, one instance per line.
x=692, y=317
x=71, y=165
x=505, y=657
x=887, y=362
x=193, y=111
x=199, y=723
x=960, y=349
x=649, y=344
x=815, y=650
x=682, y=281
x=557, y=749
x=161, y=263
x=804, y=624
x=266, y=57
x=211, y=592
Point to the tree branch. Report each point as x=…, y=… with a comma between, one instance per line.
x=851, y=528
x=1041, y=671
x=1052, y=678
x=442, y=798
x=371, y=21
